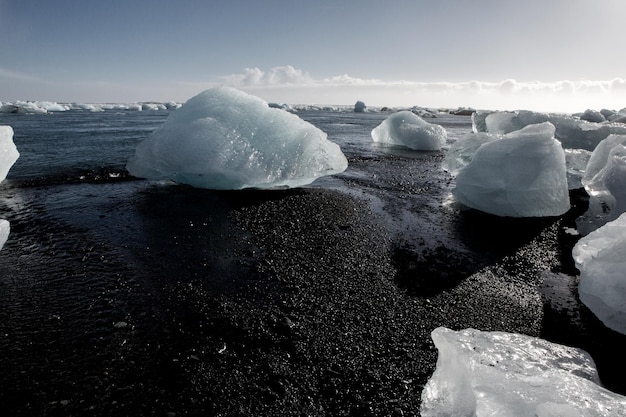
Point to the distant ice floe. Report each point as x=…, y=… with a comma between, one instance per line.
x=579, y=135
x=224, y=138
x=523, y=174
x=44, y=107
x=408, y=130
x=601, y=259
x=498, y=374
x=571, y=131
x=8, y=156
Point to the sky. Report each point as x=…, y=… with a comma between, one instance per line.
x=545, y=55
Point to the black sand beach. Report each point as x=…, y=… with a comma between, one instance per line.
x=124, y=297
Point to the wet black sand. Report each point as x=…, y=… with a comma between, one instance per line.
x=131, y=298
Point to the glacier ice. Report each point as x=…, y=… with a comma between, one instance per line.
x=594, y=116
x=572, y=132
x=44, y=107
x=8, y=156
x=523, y=174
x=500, y=374
x=604, y=180
x=224, y=138
x=359, y=107
x=601, y=259
x=5, y=229
x=576, y=161
x=462, y=151
x=8, y=151
x=407, y=129
x=600, y=157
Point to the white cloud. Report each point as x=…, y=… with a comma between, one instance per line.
x=277, y=76
x=288, y=84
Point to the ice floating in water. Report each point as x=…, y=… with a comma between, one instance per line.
x=8, y=156
x=226, y=139
x=601, y=259
x=43, y=107
x=521, y=175
x=5, y=229
x=499, y=374
x=8, y=151
x=570, y=131
x=405, y=128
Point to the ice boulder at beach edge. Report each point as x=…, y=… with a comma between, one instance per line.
x=224, y=139
x=601, y=259
x=408, y=130
x=499, y=374
x=8, y=156
x=604, y=180
x=523, y=174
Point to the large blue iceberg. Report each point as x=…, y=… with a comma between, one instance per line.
x=224, y=138
x=523, y=174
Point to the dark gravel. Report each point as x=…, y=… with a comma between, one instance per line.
x=165, y=300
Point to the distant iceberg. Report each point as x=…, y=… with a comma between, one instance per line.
x=408, y=130
x=523, y=174
x=45, y=107
x=498, y=374
x=224, y=138
x=572, y=132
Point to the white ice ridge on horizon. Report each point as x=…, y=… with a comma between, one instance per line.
x=523, y=174
x=601, y=259
x=44, y=107
x=408, y=130
x=8, y=156
x=571, y=131
x=498, y=374
x=224, y=138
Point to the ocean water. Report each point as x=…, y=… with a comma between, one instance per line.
x=96, y=271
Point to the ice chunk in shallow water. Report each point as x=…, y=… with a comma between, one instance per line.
x=407, y=129
x=5, y=229
x=226, y=139
x=601, y=259
x=521, y=175
x=8, y=151
x=511, y=375
x=8, y=156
